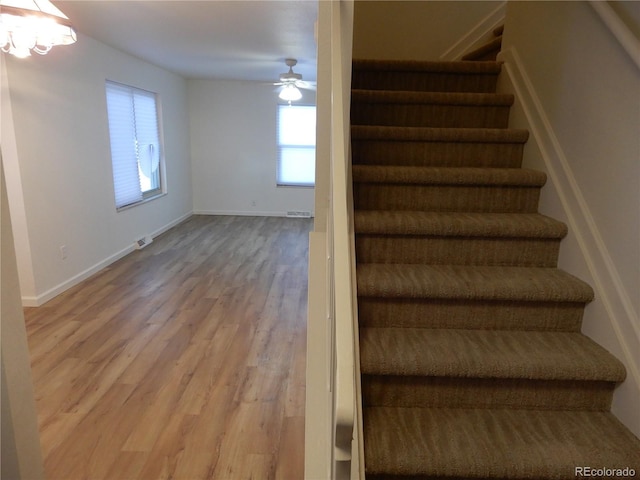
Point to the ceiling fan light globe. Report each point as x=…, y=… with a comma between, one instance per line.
x=290, y=93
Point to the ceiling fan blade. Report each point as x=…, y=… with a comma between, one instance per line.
x=305, y=85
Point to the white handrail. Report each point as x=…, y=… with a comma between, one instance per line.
x=618, y=28
x=342, y=242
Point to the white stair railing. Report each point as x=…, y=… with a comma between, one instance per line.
x=333, y=414
x=341, y=246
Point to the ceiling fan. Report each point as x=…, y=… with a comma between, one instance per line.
x=291, y=82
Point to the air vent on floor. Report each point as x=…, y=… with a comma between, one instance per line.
x=143, y=242
x=298, y=214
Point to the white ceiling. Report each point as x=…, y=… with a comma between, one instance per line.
x=230, y=39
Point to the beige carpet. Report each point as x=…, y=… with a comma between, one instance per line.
x=472, y=360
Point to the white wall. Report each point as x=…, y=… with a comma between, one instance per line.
x=59, y=177
x=578, y=94
x=234, y=153
x=417, y=30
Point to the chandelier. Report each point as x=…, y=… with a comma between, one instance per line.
x=33, y=25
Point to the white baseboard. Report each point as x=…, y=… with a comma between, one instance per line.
x=172, y=224
x=242, y=213
x=41, y=299
x=476, y=34
x=611, y=293
x=76, y=279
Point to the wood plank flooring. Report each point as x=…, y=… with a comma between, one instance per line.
x=184, y=360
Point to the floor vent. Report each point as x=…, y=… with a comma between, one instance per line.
x=298, y=214
x=143, y=242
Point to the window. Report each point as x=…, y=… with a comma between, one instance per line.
x=296, y=145
x=135, y=144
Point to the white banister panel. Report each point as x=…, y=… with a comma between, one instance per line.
x=341, y=244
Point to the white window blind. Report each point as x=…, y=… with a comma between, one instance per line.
x=296, y=145
x=135, y=143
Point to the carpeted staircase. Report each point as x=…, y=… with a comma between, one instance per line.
x=472, y=360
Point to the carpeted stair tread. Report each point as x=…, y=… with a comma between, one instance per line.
x=471, y=282
x=425, y=75
x=437, y=98
x=426, y=66
x=424, y=312
x=449, y=224
x=399, y=188
x=497, y=354
x=516, y=393
x=430, y=109
x=448, y=175
x=435, y=134
x=434, y=153
x=451, y=443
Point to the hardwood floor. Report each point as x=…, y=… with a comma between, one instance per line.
x=184, y=360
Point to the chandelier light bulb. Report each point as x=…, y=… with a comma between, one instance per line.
x=33, y=25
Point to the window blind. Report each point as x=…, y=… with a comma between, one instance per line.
x=135, y=142
x=296, y=145
x=146, y=121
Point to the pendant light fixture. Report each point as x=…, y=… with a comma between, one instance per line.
x=33, y=25
x=290, y=93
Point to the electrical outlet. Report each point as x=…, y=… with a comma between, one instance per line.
x=253, y=203
x=63, y=252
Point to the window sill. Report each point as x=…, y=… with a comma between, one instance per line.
x=141, y=202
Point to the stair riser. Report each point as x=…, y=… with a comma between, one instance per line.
x=446, y=198
x=405, y=115
x=424, y=81
x=456, y=250
x=500, y=315
x=436, y=154
x=378, y=390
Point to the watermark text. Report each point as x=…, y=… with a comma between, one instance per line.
x=604, y=472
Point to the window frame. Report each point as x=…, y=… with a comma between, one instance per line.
x=280, y=148
x=151, y=194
